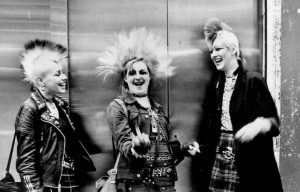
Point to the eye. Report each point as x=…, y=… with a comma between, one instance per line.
x=58, y=73
x=143, y=72
x=132, y=73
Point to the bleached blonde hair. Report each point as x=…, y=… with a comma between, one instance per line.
x=137, y=44
x=230, y=40
x=36, y=55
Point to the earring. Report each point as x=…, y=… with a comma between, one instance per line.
x=43, y=87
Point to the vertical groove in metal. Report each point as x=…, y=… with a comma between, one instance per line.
x=265, y=36
x=168, y=79
x=69, y=57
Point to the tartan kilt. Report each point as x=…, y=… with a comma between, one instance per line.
x=224, y=173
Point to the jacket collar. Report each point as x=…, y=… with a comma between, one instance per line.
x=41, y=101
x=42, y=107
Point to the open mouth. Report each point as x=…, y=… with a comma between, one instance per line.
x=138, y=83
x=217, y=60
x=62, y=85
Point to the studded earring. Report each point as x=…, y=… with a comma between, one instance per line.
x=43, y=87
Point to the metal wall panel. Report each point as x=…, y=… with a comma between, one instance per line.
x=194, y=68
x=93, y=24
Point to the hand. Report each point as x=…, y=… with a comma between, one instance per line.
x=251, y=130
x=193, y=148
x=140, y=144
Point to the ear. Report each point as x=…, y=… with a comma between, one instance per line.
x=40, y=82
x=234, y=52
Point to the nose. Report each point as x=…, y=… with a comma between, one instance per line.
x=138, y=76
x=212, y=54
x=64, y=76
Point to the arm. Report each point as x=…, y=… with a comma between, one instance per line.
x=265, y=117
x=119, y=125
x=265, y=106
x=28, y=160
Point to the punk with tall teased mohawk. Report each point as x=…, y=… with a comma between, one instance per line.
x=140, y=128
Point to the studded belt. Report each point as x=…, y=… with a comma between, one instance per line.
x=159, y=172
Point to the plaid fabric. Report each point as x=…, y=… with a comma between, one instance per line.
x=224, y=174
x=68, y=182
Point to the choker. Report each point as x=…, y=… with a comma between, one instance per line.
x=140, y=95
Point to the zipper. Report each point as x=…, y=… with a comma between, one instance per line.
x=59, y=185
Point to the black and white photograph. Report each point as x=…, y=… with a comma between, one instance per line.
x=149, y=96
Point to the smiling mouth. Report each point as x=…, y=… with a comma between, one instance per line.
x=140, y=83
x=217, y=60
x=63, y=85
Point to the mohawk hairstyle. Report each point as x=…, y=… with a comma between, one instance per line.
x=36, y=49
x=212, y=27
x=135, y=45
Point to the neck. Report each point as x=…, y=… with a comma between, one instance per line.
x=140, y=95
x=229, y=72
x=143, y=101
x=46, y=96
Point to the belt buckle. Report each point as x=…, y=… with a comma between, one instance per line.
x=228, y=153
x=158, y=138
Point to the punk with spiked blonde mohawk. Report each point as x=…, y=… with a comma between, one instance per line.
x=36, y=53
x=138, y=44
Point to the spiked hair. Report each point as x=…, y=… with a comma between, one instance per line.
x=212, y=27
x=138, y=44
x=36, y=53
x=216, y=28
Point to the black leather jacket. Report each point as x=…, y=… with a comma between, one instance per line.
x=41, y=144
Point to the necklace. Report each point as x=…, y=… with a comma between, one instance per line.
x=140, y=95
x=154, y=119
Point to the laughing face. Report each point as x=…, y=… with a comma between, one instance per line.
x=138, y=78
x=54, y=79
x=222, y=56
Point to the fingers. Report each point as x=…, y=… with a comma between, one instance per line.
x=141, y=138
x=194, y=147
x=247, y=133
x=138, y=132
x=140, y=144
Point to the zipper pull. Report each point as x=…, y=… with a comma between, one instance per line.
x=59, y=187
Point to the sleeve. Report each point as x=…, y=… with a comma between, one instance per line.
x=28, y=160
x=119, y=126
x=264, y=103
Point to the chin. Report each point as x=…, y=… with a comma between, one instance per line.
x=62, y=91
